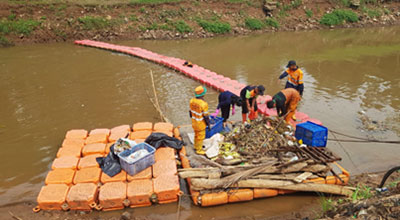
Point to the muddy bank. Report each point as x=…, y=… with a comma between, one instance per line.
x=54, y=21
x=327, y=207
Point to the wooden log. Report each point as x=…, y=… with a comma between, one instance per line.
x=211, y=174
x=274, y=184
x=300, y=178
x=316, y=168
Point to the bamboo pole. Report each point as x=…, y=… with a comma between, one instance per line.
x=155, y=101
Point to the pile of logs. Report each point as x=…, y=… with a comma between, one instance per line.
x=279, y=166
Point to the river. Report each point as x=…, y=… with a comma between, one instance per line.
x=47, y=89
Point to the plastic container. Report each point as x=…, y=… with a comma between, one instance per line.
x=144, y=174
x=139, y=165
x=52, y=197
x=216, y=126
x=312, y=134
x=139, y=192
x=82, y=196
x=60, y=176
x=112, y=195
x=164, y=167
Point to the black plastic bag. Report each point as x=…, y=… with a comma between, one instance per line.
x=110, y=165
x=162, y=140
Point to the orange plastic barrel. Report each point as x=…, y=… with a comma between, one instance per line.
x=87, y=175
x=212, y=199
x=52, y=196
x=68, y=162
x=60, y=176
x=95, y=148
x=164, y=167
x=166, y=187
x=76, y=134
x=112, y=195
x=142, y=126
x=144, y=174
x=120, y=177
x=163, y=126
x=97, y=138
x=140, y=134
x=89, y=161
x=262, y=193
x=240, y=195
x=139, y=192
x=69, y=151
x=82, y=196
x=164, y=153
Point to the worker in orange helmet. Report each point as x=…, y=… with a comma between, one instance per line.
x=200, y=118
x=285, y=103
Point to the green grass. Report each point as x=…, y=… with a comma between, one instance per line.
x=372, y=13
x=152, y=1
x=4, y=42
x=338, y=16
x=326, y=204
x=20, y=26
x=309, y=13
x=94, y=23
x=182, y=27
x=272, y=22
x=254, y=24
x=361, y=192
x=214, y=26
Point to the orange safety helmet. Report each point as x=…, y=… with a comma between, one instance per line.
x=200, y=91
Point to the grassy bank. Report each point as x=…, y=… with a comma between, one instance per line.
x=24, y=21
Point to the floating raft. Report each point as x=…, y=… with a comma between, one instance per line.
x=198, y=73
x=75, y=181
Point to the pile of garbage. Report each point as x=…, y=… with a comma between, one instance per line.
x=262, y=154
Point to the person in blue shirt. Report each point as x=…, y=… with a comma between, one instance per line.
x=225, y=101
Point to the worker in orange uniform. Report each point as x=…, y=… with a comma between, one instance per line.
x=249, y=101
x=200, y=118
x=285, y=102
x=295, y=77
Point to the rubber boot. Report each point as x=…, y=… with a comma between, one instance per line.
x=200, y=151
x=244, y=118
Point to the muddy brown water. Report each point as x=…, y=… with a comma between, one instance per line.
x=48, y=89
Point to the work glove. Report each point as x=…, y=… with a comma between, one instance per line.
x=215, y=113
x=233, y=110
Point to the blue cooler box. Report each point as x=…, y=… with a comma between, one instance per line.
x=312, y=134
x=216, y=126
x=139, y=165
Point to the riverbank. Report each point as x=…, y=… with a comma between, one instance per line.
x=41, y=21
x=323, y=208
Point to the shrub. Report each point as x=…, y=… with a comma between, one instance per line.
x=214, y=26
x=4, y=42
x=91, y=23
x=254, y=24
x=338, y=16
x=182, y=27
x=20, y=26
x=272, y=22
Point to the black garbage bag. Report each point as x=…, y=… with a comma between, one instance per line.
x=110, y=165
x=162, y=140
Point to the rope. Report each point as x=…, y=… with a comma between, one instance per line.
x=358, y=139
